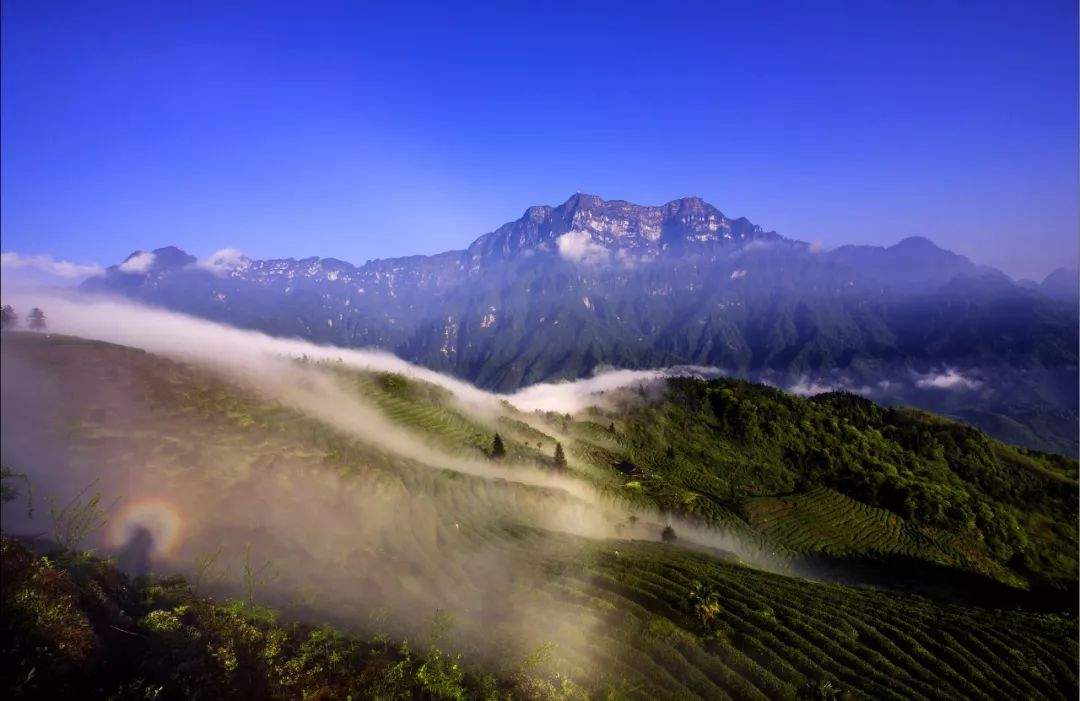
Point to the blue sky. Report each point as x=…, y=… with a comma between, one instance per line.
x=362, y=129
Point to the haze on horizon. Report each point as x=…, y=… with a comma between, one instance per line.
x=379, y=131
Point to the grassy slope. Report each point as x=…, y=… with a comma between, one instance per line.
x=662, y=620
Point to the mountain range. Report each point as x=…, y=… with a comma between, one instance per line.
x=563, y=291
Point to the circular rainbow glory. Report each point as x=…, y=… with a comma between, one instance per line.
x=155, y=515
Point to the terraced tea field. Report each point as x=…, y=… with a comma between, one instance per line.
x=823, y=520
x=422, y=408
x=769, y=636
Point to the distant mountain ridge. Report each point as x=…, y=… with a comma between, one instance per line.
x=615, y=231
x=564, y=290
x=1062, y=283
x=680, y=225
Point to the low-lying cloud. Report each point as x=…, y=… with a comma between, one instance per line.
x=50, y=266
x=223, y=261
x=265, y=363
x=808, y=386
x=179, y=335
x=137, y=263
x=949, y=379
x=572, y=396
x=578, y=247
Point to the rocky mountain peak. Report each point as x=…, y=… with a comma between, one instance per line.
x=691, y=205
x=580, y=201
x=538, y=212
x=160, y=259
x=688, y=224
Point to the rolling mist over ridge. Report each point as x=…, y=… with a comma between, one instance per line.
x=593, y=283
x=674, y=515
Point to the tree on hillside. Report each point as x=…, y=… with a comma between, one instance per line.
x=8, y=318
x=9, y=492
x=498, y=450
x=668, y=534
x=36, y=319
x=560, y=456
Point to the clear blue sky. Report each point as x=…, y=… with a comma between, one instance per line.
x=364, y=129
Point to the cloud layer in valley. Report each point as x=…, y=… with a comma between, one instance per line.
x=394, y=534
x=266, y=365
x=51, y=266
x=948, y=379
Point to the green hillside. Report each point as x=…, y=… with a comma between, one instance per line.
x=935, y=488
x=364, y=540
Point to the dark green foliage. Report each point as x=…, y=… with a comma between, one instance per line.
x=498, y=449
x=560, y=456
x=704, y=603
x=727, y=440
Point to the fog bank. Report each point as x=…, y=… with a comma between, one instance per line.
x=409, y=529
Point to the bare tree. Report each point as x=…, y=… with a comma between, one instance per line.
x=205, y=570
x=78, y=519
x=255, y=576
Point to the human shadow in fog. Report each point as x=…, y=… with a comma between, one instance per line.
x=135, y=557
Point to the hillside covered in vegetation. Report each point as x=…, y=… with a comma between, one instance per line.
x=741, y=543
x=912, y=483
x=681, y=624
x=74, y=625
